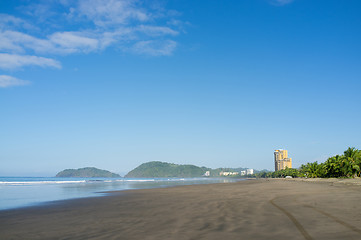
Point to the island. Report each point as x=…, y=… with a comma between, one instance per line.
x=88, y=172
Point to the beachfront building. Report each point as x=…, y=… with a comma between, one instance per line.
x=248, y=171
x=228, y=173
x=282, y=160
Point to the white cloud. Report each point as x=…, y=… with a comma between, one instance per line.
x=155, y=48
x=8, y=22
x=120, y=35
x=64, y=43
x=18, y=42
x=124, y=24
x=9, y=81
x=70, y=42
x=57, y=43
x=156, y=30
x=110, y=12
x=281, y=2
x=13, y=61
x=7, y=43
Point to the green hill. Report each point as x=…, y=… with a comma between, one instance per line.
x=162, y=169
x=86, y=172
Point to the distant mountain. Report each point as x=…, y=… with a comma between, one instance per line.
x=86, y=172
x=163, y=169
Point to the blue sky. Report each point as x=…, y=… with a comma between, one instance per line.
x=115, y=83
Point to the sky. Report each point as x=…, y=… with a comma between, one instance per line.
x=116, y=83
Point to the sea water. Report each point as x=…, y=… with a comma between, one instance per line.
x=18, y=192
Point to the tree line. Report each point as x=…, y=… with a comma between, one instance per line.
x=340, y=166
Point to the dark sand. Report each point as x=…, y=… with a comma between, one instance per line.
x=254, y=209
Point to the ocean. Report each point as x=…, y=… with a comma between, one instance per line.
x=16, y=192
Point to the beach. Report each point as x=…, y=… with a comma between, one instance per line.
x=253, y=209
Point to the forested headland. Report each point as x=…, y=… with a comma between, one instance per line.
x=88, y=172
x=163, y=169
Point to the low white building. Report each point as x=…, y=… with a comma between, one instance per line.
x=228, y=173
x=249, y=171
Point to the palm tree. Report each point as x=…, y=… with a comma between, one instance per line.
x=313, y=170
x=332, y=167
x=352, y=162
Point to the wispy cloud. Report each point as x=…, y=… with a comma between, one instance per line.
x=280, y=2
x=71, y=42
x=112, y=12
x=156, y=31
x=155, y=48
x=87, y=26
x=18, y=42
x=9, y=81
x=10, y=22
x=13, y=61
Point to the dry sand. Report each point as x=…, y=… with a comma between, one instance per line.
x=254, y=209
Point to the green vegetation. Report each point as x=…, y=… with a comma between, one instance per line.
x=86, y=172
x=346, y=165
x=280, y=174
x=162, y=169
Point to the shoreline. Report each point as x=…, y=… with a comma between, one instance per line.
x=102, y=194
x=20, y=192
x=254, y=209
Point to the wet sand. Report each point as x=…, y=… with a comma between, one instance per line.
x=254, y=209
